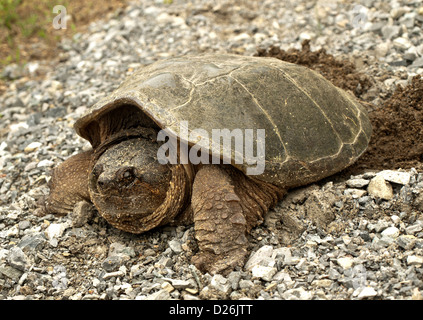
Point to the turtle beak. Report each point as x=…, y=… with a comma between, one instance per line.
x=102, y=180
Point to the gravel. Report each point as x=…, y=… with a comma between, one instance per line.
x=358, y=237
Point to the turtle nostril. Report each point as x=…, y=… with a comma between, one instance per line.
x=98, y=169
x=103, y=183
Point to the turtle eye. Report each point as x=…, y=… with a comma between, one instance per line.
x=126, y=175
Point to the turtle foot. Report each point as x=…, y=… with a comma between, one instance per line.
x=219, y=263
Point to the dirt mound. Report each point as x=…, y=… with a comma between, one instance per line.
x=397, y=139
x=341, y=73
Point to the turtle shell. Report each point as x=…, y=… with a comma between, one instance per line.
x=312, y=128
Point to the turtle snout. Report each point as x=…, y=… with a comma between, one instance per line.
x=102, y=181
x=97, y=170
x=114, y=181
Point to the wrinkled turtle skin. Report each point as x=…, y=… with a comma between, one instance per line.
x=312, y=130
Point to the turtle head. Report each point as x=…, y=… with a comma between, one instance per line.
x=127, y=184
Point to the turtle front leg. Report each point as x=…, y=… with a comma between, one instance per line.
x=226, y=205
x=69, y=184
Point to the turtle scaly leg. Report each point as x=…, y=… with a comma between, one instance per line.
x=226, y=206
x=69, y=184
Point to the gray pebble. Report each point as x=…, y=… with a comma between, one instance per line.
x=245, y=284
x=390, y=32
x=32, y=241
x=263, y=272
x=234, y=277
x=412, y=229
x=176, y=246
x=112, y=263
x=297, y=294
x=406, y=242
x=366, y=292
x=357, y=183
x=119, y=249
x=415, y=260
x=418, y=63
x=159, y=295
x=25, y=224
x=18, y=259
x=333, y=274
x=11, y=272
x=391, y=232
x=149, y=252
x=180, y=284
x=396, y=176
x=261, y=257
x=220, y=284
x=379, y=226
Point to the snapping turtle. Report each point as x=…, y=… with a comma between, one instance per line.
x=312, y=130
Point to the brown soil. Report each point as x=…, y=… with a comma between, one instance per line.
x=397, y=139
x=342, y=73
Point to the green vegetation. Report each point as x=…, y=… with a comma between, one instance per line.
x=27, y=32
x=22, y=20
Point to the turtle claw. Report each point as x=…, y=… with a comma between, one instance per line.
x=219, y=264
